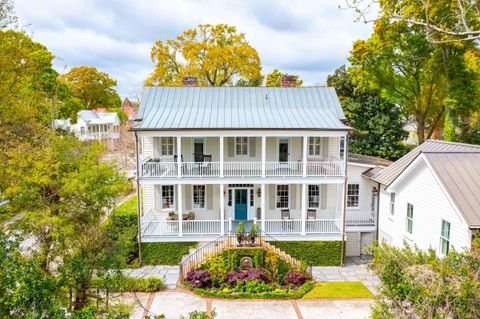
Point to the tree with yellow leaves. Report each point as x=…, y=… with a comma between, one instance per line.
x=216, y=54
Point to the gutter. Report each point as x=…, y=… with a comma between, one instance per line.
x=139, y=208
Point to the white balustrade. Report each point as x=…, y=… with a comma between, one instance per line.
x=323, y=226
x=279, y=226
x=332, y=168
x=201, y=227
x=283, y=168
x=241, y=169
x=358, y=218
x=151, y=168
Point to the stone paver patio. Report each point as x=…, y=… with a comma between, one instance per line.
x=176, y=303
x=169, y=274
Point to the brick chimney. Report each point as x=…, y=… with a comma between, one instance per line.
x=289, y=81
x=190, y=81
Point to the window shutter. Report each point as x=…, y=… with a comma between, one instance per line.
x=292, y=192
x=187, y=193
x=323, y=196
x=325, y=147
x=271, y=195
x=230, y=146
x=209, y=190
x=252, y=146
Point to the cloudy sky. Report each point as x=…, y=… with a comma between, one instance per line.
x=308, y=38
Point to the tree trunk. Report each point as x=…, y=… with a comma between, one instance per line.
x=80, y=297
x=420, y=132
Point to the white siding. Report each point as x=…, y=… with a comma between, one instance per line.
x=353, y=244
x=354, y=175
x=148, y=198
x=147, y=146
x=430, y=206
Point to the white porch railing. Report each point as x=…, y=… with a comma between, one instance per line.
x=323, y=226
x=284, y=169
x=239, y=169
x=202, y=227
x=332, y=168
x=359, y=218
x=158, y=169
x=279, y=226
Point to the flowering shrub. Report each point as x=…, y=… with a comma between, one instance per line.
x=235, y=277
x=199, y=278
x=294, y=278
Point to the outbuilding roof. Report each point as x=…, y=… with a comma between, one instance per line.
x=174, y=108
x=92, y=117
x=457, y=167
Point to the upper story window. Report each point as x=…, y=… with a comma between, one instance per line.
x=313, y=196
x=392, y=204
x=445, y=238
x=241, y=145
x=168, y=196
x=342, y=146
x=282, y=199
x=353, y=195
x=166, y=146
x=82, y=130
x=199, y=196
x=409, y=221
x=315, y=146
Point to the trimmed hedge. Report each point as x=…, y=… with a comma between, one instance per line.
x=280, y=294
x=166, y=253
x=320, y=253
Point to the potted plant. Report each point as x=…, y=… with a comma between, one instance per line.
x=254, y=233
x=240, y=233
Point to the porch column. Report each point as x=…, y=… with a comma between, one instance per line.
x=262, y=206
x=221, y=156
x=222, y=208
x=304, y=207
x=304, y=158
x=264, y=159
x=180, y=209
x=179, y=156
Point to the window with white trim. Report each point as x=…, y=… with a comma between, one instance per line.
x=166, y=146
x=353, y=195
x=409, y=220
x=315, y=146
x=445, y=238
x=241, y=145
x=199, y=196
x=392, y=204
x=282, y=198
x=313, y=196
x=168, y=196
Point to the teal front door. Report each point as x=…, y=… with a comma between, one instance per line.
x=241, y=204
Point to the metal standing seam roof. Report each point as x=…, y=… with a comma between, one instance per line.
x=460, y=176
x=166, y=108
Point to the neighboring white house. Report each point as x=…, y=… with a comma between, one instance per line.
x=431, y=197
x=210, y=157
x=93, y=125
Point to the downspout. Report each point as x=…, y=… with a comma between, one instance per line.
x=344, y=226
x=378, y=212
x=139, y=207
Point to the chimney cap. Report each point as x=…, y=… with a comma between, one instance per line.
x=190, y=81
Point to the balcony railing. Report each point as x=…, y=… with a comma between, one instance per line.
x=360, y=218
x=149, y=168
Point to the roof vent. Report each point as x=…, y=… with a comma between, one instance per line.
x=190, y=81
x=289, y=81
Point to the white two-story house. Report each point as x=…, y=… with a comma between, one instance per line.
x=211, y=157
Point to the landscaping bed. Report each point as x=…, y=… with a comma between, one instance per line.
x=269, y=277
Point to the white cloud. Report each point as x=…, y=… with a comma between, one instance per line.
x=308, y=38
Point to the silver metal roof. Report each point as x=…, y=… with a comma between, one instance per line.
x=388, y=175
x=460, y=175
x=165, y=108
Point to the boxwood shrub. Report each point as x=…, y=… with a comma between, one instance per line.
x=320, y=253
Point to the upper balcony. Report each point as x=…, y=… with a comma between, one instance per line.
x=240, y=157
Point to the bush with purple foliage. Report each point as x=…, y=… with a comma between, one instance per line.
x=294, y=278
x=199, y=278
x=234, y=277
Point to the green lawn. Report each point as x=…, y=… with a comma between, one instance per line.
x=325, y=290
x=129, y=207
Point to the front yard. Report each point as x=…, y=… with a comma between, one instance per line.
x=341, y=290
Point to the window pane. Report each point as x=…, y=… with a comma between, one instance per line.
x=168, y=197
x=353, y=195
x=313, y=196
x=198, y=196
x=282, y=196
